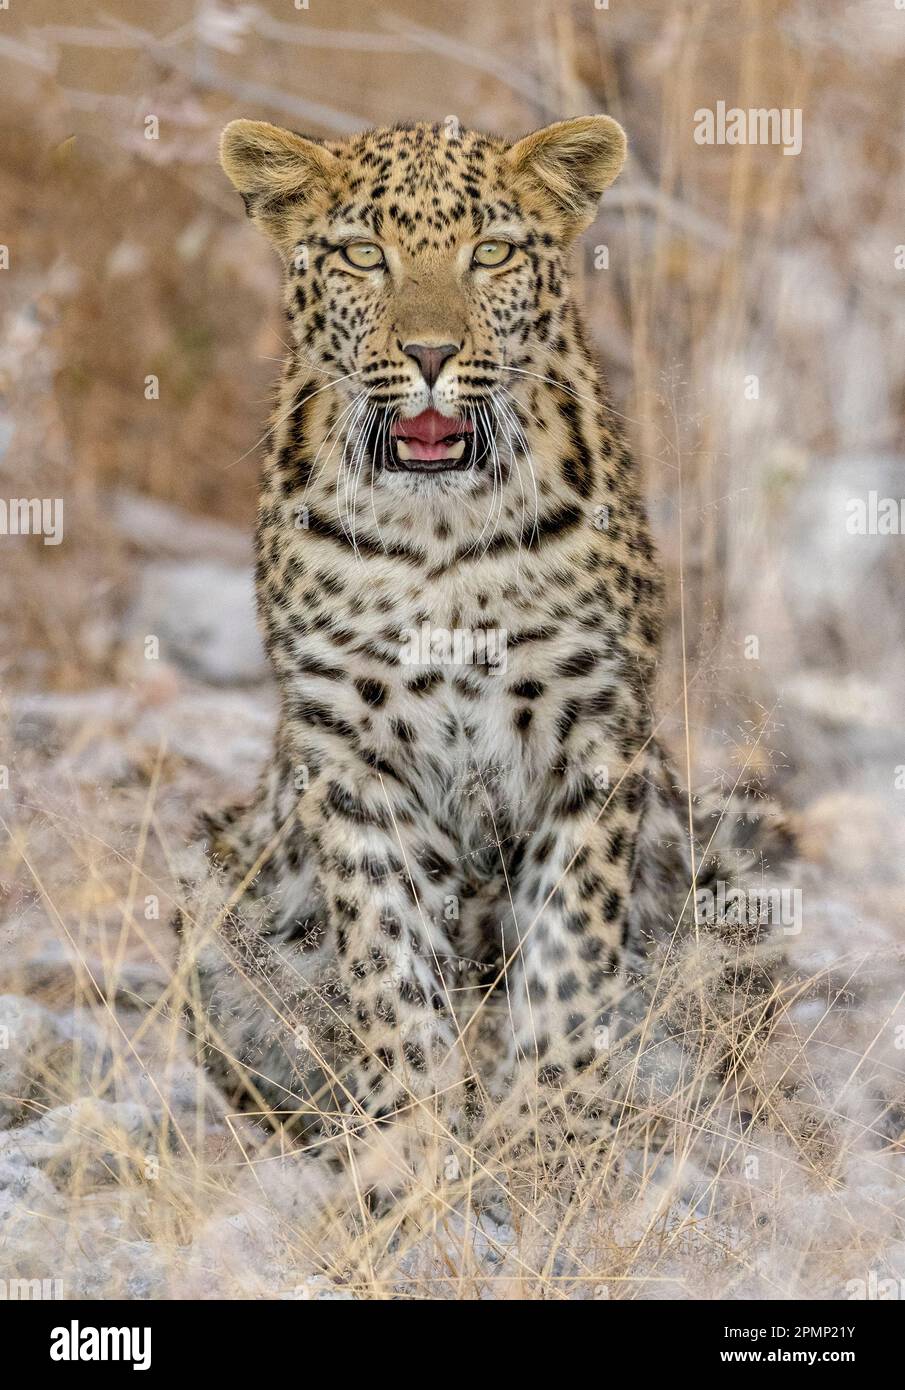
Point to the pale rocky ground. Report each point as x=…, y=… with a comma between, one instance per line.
x=120, y=1172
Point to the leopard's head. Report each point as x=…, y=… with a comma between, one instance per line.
x=424, y=272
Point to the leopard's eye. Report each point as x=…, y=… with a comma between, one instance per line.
x=492, y=253
x=364, y=255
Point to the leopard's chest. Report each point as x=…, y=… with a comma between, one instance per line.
x=470, y=682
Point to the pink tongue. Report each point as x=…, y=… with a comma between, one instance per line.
x=425, y=433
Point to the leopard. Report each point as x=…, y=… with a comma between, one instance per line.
x=469, y=835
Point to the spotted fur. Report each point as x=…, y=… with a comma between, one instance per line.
x=441, y=853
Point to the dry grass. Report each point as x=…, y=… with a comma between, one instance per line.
x=698, y=1192
x=129, y=257
x=148, y=1141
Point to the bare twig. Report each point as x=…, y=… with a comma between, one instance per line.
x=250, y=93
x=461, y=52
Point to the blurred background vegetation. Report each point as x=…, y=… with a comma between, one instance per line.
x=130, y=256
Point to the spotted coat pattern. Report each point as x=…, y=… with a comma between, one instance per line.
x=438, y=843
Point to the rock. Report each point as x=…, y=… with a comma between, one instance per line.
x=116, y=1268
x=158, y=529
x=28, y=1032
x=317, y=1287
x=98, y=1139
x=251, y=1251
x=46, y=1054
x=187, y=1090
x=203, y=612
x=27, y=1185
x=53, y=965
x=843, y=831
x=835, y=576
x=32, y=1223
x=228, y=732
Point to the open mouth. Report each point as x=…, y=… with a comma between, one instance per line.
x=431, y=443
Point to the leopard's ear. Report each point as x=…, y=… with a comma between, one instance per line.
x=569, y=164
x=274, y=170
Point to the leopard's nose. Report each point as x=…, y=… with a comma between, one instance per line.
x=429, y=358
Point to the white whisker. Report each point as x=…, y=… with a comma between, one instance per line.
x=294, y=404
